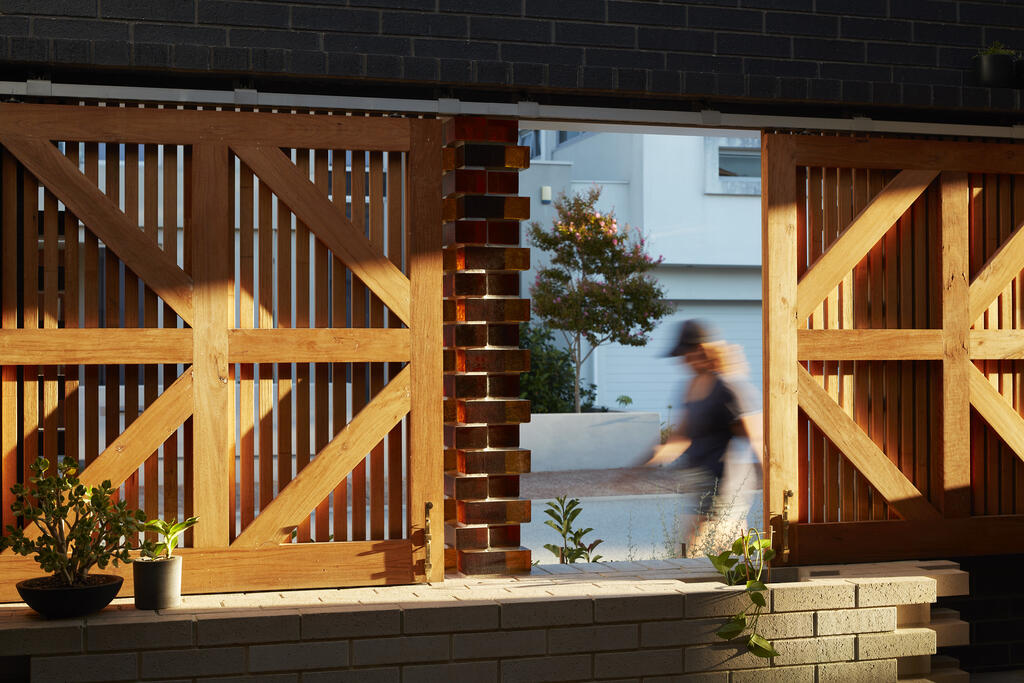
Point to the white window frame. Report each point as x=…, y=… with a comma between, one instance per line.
x=728, y=185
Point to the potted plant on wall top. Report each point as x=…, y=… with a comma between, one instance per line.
x=993, y=66
x=157, y=574
x=71, y=529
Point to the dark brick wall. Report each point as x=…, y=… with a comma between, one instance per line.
x=750, y=55
x=995, y=611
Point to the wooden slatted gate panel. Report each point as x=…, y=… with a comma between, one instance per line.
x=164, y=270
x=894, y=343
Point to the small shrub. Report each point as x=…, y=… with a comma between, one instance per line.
x=667, y=428
x=79, y=526
x=716, y=530
x=563, y=513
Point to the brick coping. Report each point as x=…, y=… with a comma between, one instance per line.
x=866, y=584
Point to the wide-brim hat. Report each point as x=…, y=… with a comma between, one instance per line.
x=692, y=333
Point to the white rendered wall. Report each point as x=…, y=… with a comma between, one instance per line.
x=684, y=224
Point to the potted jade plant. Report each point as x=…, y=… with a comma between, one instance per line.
x=994, y=67
x=157, y=573
x=71, y=528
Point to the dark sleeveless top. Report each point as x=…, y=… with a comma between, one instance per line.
x=709, y=425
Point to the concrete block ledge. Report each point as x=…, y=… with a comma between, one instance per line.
x=601, y=621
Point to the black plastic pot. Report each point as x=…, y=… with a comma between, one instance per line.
x=994, y=71
x=157, y=582
x=63, y=602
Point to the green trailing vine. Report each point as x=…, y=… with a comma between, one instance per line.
x=743, y=565
x=563, y=511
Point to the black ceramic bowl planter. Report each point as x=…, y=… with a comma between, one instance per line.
x=55, y=601
x=994, y=66
x=157, y=582
x=994, y=70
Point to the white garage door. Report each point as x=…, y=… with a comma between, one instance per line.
x=655, y=382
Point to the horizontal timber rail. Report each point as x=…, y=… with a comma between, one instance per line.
x=880, y=541
x=184, y=127
x=142, y=346
x=907, y=344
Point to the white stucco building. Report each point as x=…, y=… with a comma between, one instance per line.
x=697, y=199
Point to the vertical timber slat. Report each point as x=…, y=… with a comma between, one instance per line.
x=8, y=320
x=170, y=223
x=377, y=484
x=71, y=320
x=266, y=321
x=247, y=384
x=284, y=320
x=302, y=384
x=844, y=472
x=150, y=222
x=339, y=316
x=955, y=454
x=321, y=319
x=425, y=275
x=780, y=360
x=30, y=318
x=189, y=243
x=50, y=315
x=396, y=255
x=359, y=370
x=112, y=299
x=213, y=435
x=131, y=310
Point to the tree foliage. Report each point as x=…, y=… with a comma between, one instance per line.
x=563, y=512
x=549, y=385
x=596, y=288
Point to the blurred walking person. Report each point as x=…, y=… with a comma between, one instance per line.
x=718, y=406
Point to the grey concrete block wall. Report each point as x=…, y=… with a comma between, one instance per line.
x=757, y=55
x=611, y=621
x=558, y=631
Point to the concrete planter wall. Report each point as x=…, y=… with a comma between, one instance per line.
x=589, y=441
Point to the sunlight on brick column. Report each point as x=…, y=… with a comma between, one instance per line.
x=482, y=312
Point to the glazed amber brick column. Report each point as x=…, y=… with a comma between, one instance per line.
x=482, y=312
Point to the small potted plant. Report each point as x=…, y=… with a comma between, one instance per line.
x=157, y=573
x=993, y=66
x=78, y=528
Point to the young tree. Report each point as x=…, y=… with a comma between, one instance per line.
x=549, y=383
x=596, y=287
